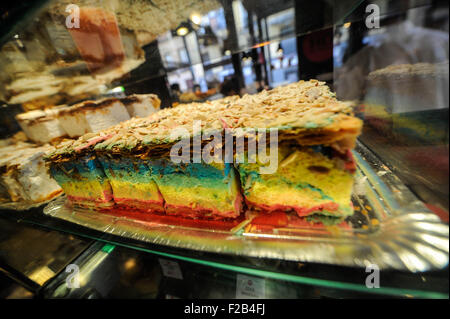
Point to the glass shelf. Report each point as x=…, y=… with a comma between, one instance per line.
x=33, y=256
x=399, y=284
x=136, y=273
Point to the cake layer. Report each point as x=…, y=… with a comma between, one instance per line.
x=308, y=180
x=132, y=183
x=198, y=189
x=32, y=174
x=84, y=182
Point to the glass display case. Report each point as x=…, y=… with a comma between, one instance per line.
x=388, y=58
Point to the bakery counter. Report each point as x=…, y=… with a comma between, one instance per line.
x=33, y=256
x=121, y=271
x=119, y=267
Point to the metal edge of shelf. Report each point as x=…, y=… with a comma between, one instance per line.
x=333, y=284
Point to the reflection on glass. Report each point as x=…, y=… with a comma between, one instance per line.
x=400, y=73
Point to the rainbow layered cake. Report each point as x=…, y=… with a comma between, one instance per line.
x=80, y=174
x=288, y=150
x=409, y=102
x=198, y=189
x=84, y=182
x=132, y=183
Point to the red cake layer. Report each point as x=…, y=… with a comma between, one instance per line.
x=134, y=214
x=149, y=206
x=189, y=212
x=301, y=211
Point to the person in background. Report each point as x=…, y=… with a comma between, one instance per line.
x=197, y=88
x=230, y=87
x=175, y=91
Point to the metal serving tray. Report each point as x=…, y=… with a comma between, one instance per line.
x=390, y=228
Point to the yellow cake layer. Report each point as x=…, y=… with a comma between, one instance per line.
x=198, y=197
x=285, y=195
x=304, y=178
x=141, y=191
x=86, y=189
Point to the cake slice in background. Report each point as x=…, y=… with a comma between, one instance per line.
x=14, y=192
x=141, y=105
x=23, y=174
x=310, y=180
x=31, y=174
x=42, y=126
x=90, y=116
x=97, y=38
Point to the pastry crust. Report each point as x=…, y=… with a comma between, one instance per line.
x=306, y=111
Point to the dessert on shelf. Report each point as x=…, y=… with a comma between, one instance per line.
x=92, y=116
x=141, y=105
x=53, y=124
x=42, y=126
x=407, y=101
x=285, y=150
x=24, y=176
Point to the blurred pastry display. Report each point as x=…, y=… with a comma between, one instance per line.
x=92, y=116
x=49, y=125
x=187, y=97
x=401, y=101
x=23, y=174
x=97, y=38
x=131, y=164
x=41, y=126
x=141, y=105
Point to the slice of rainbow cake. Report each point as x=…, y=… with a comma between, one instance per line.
x=84, y=182
x=312, y=180
x=132, y=183
x=198, y=189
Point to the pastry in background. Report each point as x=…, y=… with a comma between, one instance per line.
x=42, y=126
x=97, y=38
x=92, y=116
x=141, y=105
x=23, y=174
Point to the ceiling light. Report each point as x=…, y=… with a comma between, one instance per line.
x=196, y=18
x=280, y=49
x=182, y=31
